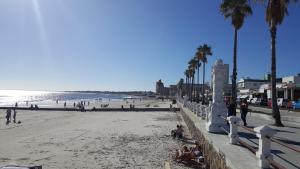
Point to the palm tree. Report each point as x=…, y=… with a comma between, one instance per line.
x=276, y=10
x=198, y=59
x=205, y=51
x=237, y=10
x=186, y=73
x=180, y=87
x=192, y=66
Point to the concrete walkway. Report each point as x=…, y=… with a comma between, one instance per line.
x=239, y=157
x=286, y=115
x=290, y=135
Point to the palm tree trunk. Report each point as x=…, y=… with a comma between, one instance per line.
x=203, y=81
x=188, y=89
x=275, y=109
x=190, y=86
x=234, y=71
x=192, y=98
x=198, y=83
x=186, y=84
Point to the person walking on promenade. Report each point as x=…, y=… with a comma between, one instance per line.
x=244, y=111
x=231, y=109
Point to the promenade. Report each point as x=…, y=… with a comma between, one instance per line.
x=237, y=156
x=286, y=115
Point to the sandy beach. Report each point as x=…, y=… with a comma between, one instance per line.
x=58, y=139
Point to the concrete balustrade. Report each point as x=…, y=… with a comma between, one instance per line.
x=233, y=134
x=264, y=133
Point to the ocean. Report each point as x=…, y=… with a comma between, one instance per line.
x=47, y=98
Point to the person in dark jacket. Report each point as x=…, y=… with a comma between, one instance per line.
x=244, y=111
x=231, y=109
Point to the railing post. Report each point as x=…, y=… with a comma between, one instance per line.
x=233, y=135
x=264, y=133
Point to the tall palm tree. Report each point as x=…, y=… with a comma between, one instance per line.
x=276, y=10
x=237, y=11
x=205, y=51
x=180, y=87
x=198, y=59
x=186, y=73
x=192, y=67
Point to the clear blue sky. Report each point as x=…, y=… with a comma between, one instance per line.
x=130, y=44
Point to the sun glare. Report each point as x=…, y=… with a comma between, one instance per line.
x=41, y=28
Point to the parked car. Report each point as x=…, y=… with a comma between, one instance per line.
x=296, y=104
x=286, y=103
x=255, y=101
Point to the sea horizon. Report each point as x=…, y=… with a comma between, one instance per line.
x=46, y=98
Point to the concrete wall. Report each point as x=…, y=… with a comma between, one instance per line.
x=213, y=159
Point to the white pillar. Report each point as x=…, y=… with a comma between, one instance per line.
x=233, y=135
x=218, y=107
x=264, y=133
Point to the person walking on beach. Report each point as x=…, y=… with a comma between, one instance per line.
x=8, y=116
x=244, y=111
x=15, y=115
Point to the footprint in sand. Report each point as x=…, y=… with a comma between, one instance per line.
x=22, y=159
x=3, y=159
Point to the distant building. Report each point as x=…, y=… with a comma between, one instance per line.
x=160, y=87
x=290, y=88
x=173, y=90
x=247, y=87
x=287, y=87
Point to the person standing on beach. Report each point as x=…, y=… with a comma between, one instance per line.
x=244, y=111
x=65, y=104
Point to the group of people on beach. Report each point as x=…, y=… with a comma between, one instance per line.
x=186, y=155
x=8, y=116
x=190, y=155
x=243, y=110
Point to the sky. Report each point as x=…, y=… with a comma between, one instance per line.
x=123, y=45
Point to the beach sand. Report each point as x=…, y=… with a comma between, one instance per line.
x=58, y=139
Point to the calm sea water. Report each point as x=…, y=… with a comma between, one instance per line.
x=10, y=97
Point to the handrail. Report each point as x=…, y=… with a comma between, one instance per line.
x=275, y=164
x=285, y=145
x=247, y=128
x=253, y=150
